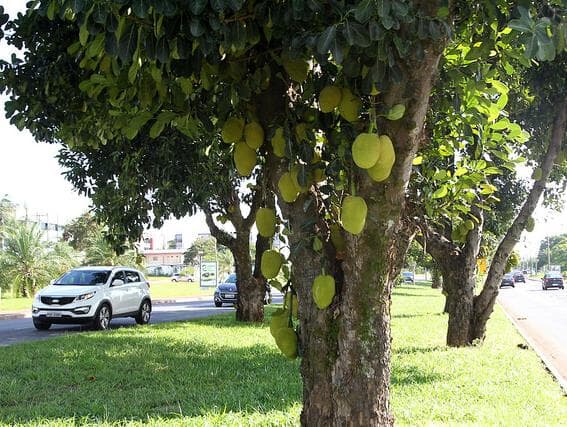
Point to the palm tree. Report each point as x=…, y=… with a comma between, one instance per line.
x=100, y=252
x=26, y=262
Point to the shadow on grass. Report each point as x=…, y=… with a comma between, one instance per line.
x=409, y=294
x=121, y=376
x=412, y=375
x=419, y=350
x=413, y=316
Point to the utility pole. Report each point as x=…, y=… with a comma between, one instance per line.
x=548, y=255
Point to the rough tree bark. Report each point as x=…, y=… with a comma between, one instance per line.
x=484, y=302
x=457, y=265
x=436, y=281
x=346, y=348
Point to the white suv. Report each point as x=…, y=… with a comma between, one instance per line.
x=93, y=295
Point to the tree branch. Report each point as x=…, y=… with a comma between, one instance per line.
x=222, y=236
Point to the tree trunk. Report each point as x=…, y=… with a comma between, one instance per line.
x=459, y=306
x=484, y=302
x=436, y=282
x=250, y=305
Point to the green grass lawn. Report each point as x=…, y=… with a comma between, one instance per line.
x=216, y=372
x=160, y=288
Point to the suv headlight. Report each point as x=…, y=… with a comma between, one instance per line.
x=85, y=296
x=37, y=298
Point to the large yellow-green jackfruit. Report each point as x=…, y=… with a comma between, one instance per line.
x=296, y=68
x=353, y=214
x=323, y=290
x=366, y=150
x=244, y=158
x=266, y=222
x=382, y=168
x=280, y=319
x=270, y=263
x=329, y=98
x=232, y=130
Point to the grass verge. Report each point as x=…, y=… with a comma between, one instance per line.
x=217, y=372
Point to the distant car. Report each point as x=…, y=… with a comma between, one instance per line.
x=507, y=280
x=227, y=292
x=552, y=280
x=519, y=277
x=182, y=278
x=94, y=296
x=408, y=277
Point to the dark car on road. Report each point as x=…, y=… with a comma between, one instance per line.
x=227, y=292
x=519, y=277
x=552, y=280
x=507, y=280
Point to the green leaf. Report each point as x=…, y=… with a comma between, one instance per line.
x=326, y=40
x=197, y=6
x=127, y=43
x=417, y=161
x=363, y=11
x=157, y=129
x=83, y=34
x=96, y=46
x=440, y=192
x=356, y=34
x=383, y=8
x=140, y=8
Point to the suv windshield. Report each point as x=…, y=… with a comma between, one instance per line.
x=84, y=277
x=231, y=279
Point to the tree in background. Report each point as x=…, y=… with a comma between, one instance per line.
x=211, y=251
x=99, y=251
x=27, y=262
x=79, y=231
x=553, y=250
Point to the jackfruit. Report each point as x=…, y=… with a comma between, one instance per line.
x=337, y=238
x=280, y=319
x=266, y=222
x=296, y=68
x=232, y=130
x=291, y=302
x=353, y=214
x=382, y=168
x=278, y=143
x=366, y=150
x=244, y=158
x=329, y=98
x=286, y=340
x=537, y=175
x=323, y=290
x=349, y=105
x=530, y=225
x=396, y=112
x=288, y=190
x=295, y=179
x=270, y=263
x=301, y=131
x=254, y=135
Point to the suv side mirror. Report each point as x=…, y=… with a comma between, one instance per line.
x=117, y=282
x=52, y=281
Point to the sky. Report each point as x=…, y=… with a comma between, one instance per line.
x=31, y=177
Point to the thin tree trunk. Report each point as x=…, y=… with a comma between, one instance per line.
x=484, y=302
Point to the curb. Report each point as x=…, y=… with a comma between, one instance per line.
x=15, y=315
x=546, y=361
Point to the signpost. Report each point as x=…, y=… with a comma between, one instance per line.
x=208, y=274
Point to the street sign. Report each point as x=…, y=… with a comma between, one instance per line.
x=208, y=276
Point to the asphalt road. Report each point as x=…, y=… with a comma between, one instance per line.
x=20, y=330
x=542, y=316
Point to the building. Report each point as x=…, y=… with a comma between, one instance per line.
x=163, y=257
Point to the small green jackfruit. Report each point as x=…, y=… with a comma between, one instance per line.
x=266, y=222
x=530, y=225
x=254, y=135
x=296, y=68
x=291, y=302
x=353, y=214
x=329, y=98
x=286, y=340
x=280, y=319
x=537, y=175
x=232, y=130
x=244, y=158
x=337, y=238
x=288, y=190
x=396, y=112
x=270, y=263
x=278, y=143
x=349, y=106
x=323, y=290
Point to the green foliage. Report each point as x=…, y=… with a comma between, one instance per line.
x=80, y=231
x=557, y=246
x=99, y=251
x=27, y=262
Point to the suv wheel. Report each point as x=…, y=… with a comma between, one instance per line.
x=144, y=313
x=102, y=318
x=41, y=326
x=218, y=304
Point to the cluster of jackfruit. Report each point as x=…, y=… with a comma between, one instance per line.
x=375, y=154
x=247, y=139
x=332, y=97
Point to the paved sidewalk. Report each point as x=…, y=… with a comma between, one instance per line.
x=20, y=314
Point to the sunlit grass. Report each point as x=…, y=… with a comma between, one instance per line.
x=216, y=372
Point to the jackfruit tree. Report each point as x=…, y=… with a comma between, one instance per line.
x=249, y=71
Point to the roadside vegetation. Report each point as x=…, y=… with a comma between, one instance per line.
x=187, y=372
